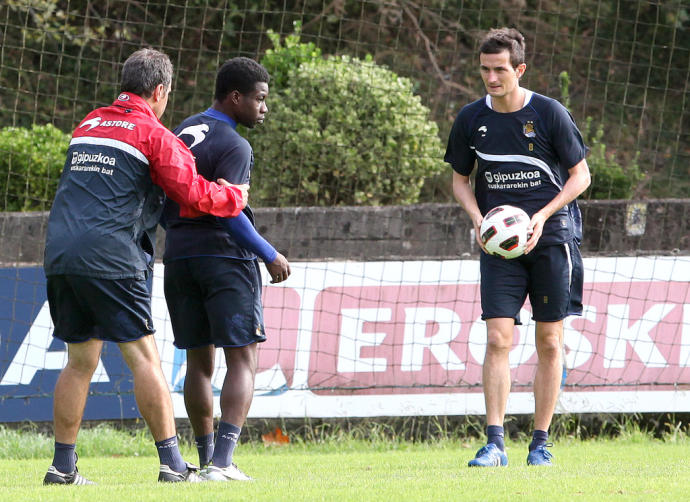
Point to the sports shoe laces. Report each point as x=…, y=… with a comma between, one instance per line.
x=543, y=450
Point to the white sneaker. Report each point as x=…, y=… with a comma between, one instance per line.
x=229, y=473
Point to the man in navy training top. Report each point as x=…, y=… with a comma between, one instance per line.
x=99, y=253
x=530, y=154
x=212, y=276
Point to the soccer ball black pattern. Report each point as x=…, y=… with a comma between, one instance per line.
x=504, y=231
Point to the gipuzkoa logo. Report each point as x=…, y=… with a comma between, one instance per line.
x=97, y=158
x=516, y=176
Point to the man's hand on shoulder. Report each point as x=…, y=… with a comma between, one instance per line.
x=279, y=269
x=244, y=190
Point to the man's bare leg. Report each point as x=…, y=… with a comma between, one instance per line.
x=153, y=398
x=547, y=381
x=72, y=388
x=198, y=399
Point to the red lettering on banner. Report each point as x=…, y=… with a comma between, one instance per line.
x=638, y=333
x=393, y=339
x=423, y=339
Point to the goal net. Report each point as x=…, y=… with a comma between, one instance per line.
x=381, y=316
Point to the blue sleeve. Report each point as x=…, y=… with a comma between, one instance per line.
x=244, y=233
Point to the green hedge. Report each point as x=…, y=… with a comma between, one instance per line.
x=611, y=179
x=340, y=131
x=31, y=161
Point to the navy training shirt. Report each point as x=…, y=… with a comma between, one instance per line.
x=522, y=158
x=220, y=152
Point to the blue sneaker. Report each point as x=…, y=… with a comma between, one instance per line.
x=540, y=456
x=489, y=456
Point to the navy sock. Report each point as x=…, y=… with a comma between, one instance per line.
x=495, y=435
x=169, y=454
x=64, y=458
x=539, y=438
x=204, y=445
x=228, y=434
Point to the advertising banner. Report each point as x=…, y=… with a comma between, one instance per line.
x=354, y=339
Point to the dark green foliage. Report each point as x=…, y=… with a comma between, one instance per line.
x=31, y=161
x=611, y=178
x=628, y=61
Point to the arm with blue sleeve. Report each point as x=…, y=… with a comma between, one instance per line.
x=244, y=233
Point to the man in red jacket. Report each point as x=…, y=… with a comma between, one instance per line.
x=99, y=253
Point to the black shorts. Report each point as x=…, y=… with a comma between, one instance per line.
x=214, y=300
x=552, y=276
x=114, y=310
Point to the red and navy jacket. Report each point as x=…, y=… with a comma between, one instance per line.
x=109, y=199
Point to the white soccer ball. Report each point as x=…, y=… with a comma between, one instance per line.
x=504, y=231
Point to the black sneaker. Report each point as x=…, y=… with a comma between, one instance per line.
x=55, y=477
x=189, y=475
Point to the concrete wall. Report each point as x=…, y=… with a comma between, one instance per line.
x=436, y=231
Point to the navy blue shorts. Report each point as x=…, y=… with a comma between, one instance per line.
x=552, y=276
x=114, y=310
x=214, y=300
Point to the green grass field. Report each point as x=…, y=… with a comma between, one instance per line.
x=636, y=467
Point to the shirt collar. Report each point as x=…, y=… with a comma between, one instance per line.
x=528, y=98
x=218, y=115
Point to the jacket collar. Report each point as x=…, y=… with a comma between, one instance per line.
x=134, y=102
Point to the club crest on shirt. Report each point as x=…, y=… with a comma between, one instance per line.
x=528, y=129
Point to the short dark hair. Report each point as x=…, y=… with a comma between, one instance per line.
x=505, y=39
x=144, y=71
x=239, y=74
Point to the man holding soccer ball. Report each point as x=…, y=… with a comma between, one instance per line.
x=529, y=154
